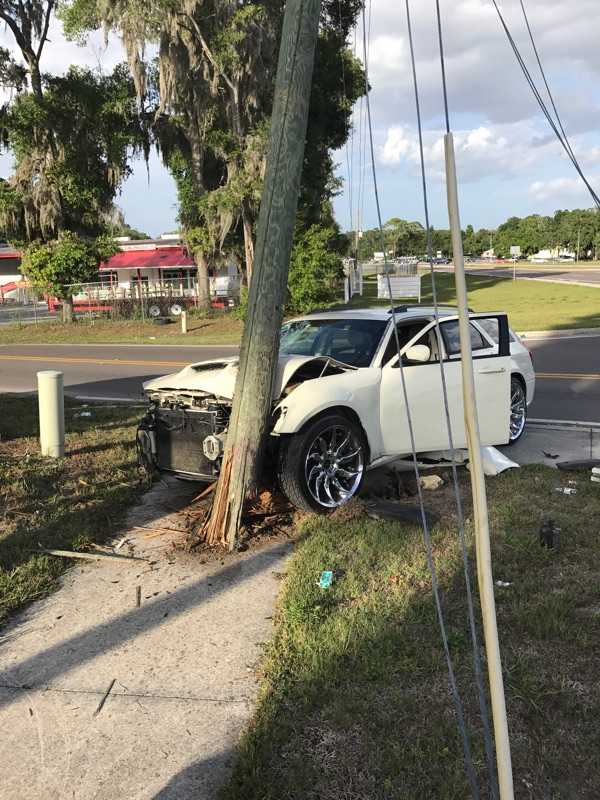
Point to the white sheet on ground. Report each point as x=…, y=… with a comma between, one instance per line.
x=495, y=462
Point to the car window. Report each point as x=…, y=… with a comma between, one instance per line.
x=492, y=327
x=450, y=333
x=406, y=332
x=353, y=341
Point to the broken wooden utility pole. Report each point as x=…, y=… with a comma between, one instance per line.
x=260, y=342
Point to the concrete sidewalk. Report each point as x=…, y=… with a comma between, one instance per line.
x=101, y=699
x=550, y=443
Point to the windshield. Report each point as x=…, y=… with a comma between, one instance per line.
x=352, y=341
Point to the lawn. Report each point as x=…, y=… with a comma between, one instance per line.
x=354, y=701
x=219, y=328
x=531, y=305
x=65, y=503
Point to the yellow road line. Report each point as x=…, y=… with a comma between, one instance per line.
x=117, y=362
x=569, y=376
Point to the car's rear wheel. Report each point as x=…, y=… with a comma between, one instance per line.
x=323, y=466
x=518, y=409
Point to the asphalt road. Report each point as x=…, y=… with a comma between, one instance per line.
x=98, y=371
x=586, y=277
x=568, y=370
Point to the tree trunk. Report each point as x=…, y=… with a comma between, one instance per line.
x=35, y=78
x=203, y=282
x=260, y=343
x=67, y=309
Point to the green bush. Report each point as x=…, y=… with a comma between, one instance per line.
x=316, y=270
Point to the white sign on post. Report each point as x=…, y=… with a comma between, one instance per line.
x=515, y=252
x=401, y=286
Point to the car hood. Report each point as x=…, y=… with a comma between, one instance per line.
x=218, y=377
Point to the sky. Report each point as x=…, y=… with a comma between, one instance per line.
x=507, y=158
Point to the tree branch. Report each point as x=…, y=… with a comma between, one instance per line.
x=208, y=52
x=44, y=34
x=17, y=33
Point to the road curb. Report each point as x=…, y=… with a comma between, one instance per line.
x=563, y=424
x=558, y=334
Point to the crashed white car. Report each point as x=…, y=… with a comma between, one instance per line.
x=338, y=402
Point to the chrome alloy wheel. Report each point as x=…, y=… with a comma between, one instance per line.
x=518, y=409
x=334, y=466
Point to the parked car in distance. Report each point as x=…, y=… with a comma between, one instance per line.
x=338, y=400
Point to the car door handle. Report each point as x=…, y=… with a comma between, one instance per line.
x=492, y=370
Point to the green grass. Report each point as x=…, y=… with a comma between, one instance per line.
x=531, y=305
x=220, y=328
x=354, y=700
x=64, y=503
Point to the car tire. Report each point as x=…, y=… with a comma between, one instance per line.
x=323, y=466
x=518, y=409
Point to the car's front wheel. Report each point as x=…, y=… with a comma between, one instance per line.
x=518, y=409
x=323, y=466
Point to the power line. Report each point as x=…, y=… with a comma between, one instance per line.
x=483, y=705
x=469, y=765
x=543, y=106
x=543, y=73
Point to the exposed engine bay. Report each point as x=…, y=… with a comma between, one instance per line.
x=185, y=427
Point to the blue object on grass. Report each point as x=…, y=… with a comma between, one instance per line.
x=326, y=579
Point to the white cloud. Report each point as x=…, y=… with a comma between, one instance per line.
x=482, y=151
x=564, y=190
x=482, y=72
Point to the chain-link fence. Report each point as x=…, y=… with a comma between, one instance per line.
x=144, y=299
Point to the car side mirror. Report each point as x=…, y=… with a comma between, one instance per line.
x=418, y=354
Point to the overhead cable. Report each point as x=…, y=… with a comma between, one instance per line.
x=469, y=764
x=543, y=106
x=483, y=704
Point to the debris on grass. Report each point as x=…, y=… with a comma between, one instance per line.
x=549, y=534
x=430, y=482
x=326, y=579
x=568, y=490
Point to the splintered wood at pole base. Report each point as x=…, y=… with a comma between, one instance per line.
x=214, y=528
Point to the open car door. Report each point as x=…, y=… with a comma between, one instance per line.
x=491, y=366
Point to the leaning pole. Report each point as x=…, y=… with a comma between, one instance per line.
x=275, y=231
x=480, y=515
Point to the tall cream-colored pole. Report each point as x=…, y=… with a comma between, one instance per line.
x=52, y=413
x=480, y=512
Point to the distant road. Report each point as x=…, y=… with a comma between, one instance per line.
x=568, y=371
x=98, y=371
x=582, y=276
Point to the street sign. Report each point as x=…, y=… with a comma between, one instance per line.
x=515, y=250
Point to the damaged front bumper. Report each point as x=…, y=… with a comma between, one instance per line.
x=187, y=442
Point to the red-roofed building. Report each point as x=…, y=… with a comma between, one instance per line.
x=11, y=279
x=156, y=262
